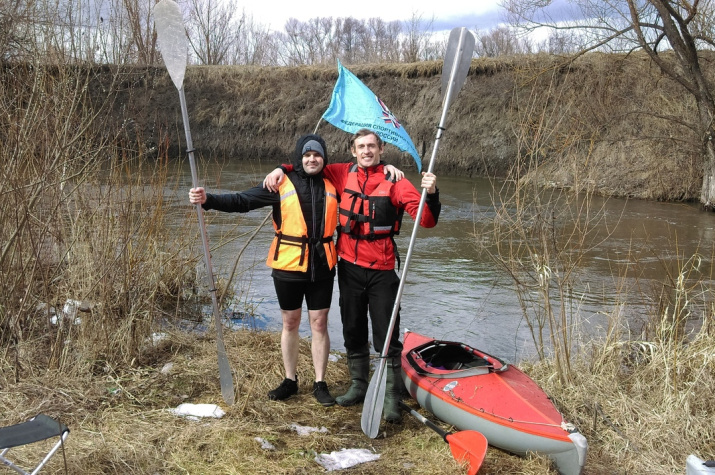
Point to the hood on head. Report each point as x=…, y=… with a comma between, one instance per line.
x=305, y=143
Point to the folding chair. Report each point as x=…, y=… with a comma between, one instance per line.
x=38, y=428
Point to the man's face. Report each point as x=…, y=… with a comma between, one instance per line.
x=367, y=151
x=312, y=162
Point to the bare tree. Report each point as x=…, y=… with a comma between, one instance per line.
x=60, y=32
x=499, y=41
x=122, y=31
x=143, y=34
x=349, y=32
x=312, y=42
x=561, y=42
x=416, y=38
x=15, y=19
x=253, y=44
x=672, y=32
x=213, y=29
x=271, y=48
x=386, y=39
x=322, y=34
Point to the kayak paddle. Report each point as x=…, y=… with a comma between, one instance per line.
x=468, y=446
x=457, y=61
x=171, y=37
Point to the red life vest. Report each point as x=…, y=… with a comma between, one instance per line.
x=289, y=249
x=371, y=216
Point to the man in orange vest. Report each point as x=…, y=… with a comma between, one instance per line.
x=371, y=209
x=302, y=255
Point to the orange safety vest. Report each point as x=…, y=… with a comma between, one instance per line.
x=371, y=216
x=289, y=249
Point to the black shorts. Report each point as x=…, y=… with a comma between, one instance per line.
x=290, y=293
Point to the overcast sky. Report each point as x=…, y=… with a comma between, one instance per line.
x=480, y=14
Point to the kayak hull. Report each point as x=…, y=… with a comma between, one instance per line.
x=473, y=390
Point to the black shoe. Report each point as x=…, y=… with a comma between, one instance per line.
x=287, y=388
x=321, y=393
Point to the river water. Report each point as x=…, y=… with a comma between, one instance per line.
x=454, y=291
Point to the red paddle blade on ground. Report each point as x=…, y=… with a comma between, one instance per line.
x=468, y=447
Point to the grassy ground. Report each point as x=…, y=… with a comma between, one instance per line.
x=120, y=419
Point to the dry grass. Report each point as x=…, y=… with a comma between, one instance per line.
x=120, y=420
x=636, y=421
x=643, y=405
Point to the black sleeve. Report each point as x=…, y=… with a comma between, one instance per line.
x=434, y=205
x=254, y=198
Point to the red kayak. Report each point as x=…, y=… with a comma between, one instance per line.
x=473, y=390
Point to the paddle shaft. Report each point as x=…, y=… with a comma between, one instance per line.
x=172, y=40
x=224, y=368
x=426, y=421
x=372, y=407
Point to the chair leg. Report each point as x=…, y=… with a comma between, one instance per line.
x=51, y=453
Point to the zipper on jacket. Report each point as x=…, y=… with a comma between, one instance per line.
x=312, y=210
x=362, y=206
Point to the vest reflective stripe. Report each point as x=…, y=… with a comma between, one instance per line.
x=289, y=249
x=370, y=216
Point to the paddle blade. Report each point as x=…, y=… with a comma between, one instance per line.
x=468, y=447
x=171, y=38
x=457, y=60
x=224, y=367
x=374, y=402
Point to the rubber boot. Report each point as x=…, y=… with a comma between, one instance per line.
x=359, y=367
x=393, y=390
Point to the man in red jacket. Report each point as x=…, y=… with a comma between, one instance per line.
x=370, y=214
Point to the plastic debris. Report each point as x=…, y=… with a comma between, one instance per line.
x=305, y=430
x=196, y=411
x=345, y=458
x=265, y=445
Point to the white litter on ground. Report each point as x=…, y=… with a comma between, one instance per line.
x=69, y=313
x=265, y=445
x=158, y=337
x=345, y=458
x=305, y=430
x=196, y=411
x=334, y=358
x=70, y=308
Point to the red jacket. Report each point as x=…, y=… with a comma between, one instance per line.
x=378, y=254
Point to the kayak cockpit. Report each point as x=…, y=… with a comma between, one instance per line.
x=444, y=359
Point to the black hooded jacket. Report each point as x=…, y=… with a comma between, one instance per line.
x=311, y=194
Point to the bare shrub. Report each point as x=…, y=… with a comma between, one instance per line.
x=540, y=235
x=87, y=264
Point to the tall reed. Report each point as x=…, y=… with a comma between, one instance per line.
x=87, y=264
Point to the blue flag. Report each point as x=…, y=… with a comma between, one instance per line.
x=354, y=106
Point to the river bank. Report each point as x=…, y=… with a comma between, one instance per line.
x=601, y=123
x=120, y=419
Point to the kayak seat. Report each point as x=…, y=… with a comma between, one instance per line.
x=451, y=357
x=39, y=428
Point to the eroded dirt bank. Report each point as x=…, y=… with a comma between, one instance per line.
x=606, y=121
